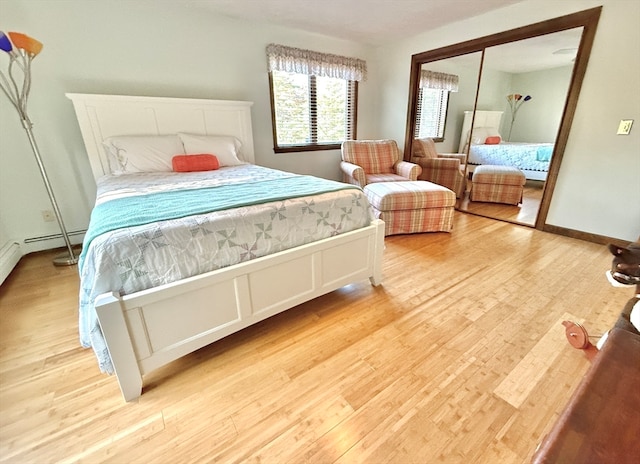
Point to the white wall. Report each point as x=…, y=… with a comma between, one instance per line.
x=137, y=47
x=598, y=187
x=494, y=87
x=538, y=119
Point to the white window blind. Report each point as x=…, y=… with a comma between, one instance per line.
x=431, y=113
x=433, y=100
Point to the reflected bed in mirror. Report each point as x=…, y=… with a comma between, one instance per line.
x=488, y=146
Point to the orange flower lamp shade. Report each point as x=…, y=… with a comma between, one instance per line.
x=26, y=43
x=515, y=101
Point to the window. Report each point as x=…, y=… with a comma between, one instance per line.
x=313, y=98
x=432, y=103
x=312, y=112
x=431, y=113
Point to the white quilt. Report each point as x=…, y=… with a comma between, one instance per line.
x=525, y=156
x=136, y=258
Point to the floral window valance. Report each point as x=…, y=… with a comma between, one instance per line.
x=438, y=80
x=298, y=60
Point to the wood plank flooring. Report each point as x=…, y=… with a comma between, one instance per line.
x=459, y=357
x=524, y=213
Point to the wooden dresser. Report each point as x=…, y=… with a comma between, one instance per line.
x=601, y=422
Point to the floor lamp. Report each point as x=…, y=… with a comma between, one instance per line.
x=22, y=49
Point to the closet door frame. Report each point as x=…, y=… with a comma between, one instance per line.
x=587, y=19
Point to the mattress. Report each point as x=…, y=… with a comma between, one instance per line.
x=141, y=256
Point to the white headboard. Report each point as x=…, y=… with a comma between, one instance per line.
x=102, y=116
x=482, y=119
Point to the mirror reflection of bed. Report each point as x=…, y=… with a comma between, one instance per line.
x=532, y=77
x=489, y=139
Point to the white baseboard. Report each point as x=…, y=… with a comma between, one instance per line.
x=10, y=254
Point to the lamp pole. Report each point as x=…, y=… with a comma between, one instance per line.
x=62, y=260
x=21, y=50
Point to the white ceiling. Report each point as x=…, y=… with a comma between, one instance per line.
x=373, y=22
x=376, y=22
x=542, y=52
x=534, y=54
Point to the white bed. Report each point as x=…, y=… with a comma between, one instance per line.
x=533, y=159
x=146, y=329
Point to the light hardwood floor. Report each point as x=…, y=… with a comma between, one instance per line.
x=524, y=213
x=459, y=357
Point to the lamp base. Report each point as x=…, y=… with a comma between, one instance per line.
x=66, y=260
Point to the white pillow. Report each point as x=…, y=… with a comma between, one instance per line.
x=225, y=147
x=142, y=153
x=480, y=134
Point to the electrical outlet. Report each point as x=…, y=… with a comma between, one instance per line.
x=47, y=215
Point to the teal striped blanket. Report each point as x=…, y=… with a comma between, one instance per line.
x=162, y=206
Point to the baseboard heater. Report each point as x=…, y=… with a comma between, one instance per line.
x=53, y=236
x=10, y=255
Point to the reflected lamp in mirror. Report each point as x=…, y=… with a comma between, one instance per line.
x=515, y=101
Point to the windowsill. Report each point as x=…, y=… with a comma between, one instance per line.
x=301, y=148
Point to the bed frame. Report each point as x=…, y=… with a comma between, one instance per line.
x=150, y=328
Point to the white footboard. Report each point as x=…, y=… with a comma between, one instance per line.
x=151, y=328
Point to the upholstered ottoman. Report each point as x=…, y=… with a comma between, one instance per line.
x=497, y=184
x=412, y=206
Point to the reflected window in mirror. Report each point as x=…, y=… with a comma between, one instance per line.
x=433, y=103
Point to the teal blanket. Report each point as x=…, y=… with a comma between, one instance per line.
x=162, y=206
x=544, y=153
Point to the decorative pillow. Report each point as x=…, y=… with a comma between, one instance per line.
x=480, y=134
x=225, y=147
x=142, y=153
x=492, y=140
x=190, y=163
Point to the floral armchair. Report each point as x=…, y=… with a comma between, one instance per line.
x=446, y=169
x=367, y=161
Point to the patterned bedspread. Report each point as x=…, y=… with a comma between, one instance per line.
x=138, y=257
x=525, y=156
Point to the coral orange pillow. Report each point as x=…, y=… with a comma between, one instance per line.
x=494, y=140
x=190, y=163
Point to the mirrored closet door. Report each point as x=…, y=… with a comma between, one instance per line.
x=522, y=94
x=514, y=103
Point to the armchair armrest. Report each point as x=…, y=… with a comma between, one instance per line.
x=459, y=156
x=354, y=172
x=442, y=164
x=409, y=170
